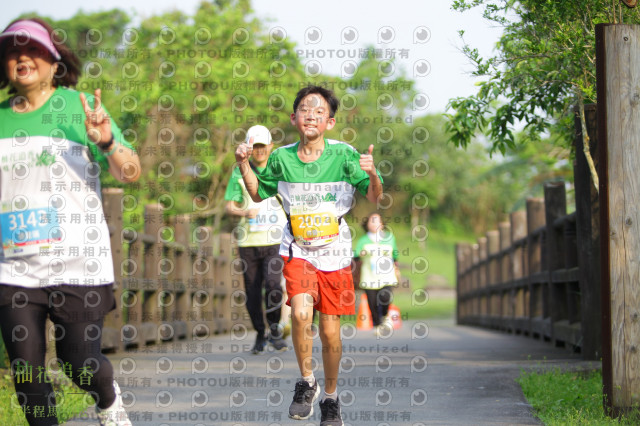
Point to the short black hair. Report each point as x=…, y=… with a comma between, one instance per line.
x=365, y=221
x=69, y=62
x=327, y=94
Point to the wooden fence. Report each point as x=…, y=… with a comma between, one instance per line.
x=538, y=273
x=173, y=281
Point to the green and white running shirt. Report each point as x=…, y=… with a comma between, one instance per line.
x=52, y=225
x=378, y=253
x=267, y=227
x=316, y=195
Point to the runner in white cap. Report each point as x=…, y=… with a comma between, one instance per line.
x=258, y=234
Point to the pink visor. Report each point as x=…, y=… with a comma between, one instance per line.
x=23, y=31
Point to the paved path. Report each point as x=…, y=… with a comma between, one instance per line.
x=427, y=372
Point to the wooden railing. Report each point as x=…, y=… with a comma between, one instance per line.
x=525, y=277
x=173, y=281
x=539, y=273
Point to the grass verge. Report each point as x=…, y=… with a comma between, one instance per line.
x=569, y=398
x=440, y=253
x=434, y=308
x=72, y=402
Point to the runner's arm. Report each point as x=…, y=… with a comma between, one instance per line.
x=248, y=176
x=356, y=267
x=235, y=208
x=374, y=192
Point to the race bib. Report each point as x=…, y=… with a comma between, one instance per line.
x=315, y=229
x=381, y=265
x=265, y=218
x=313, y=212
x=24, y=232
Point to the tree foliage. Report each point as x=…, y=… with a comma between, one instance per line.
x=544, y=66
x=185, y=87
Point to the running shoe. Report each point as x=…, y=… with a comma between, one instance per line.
x=330, y=412
x=115, y=415
x=260, y=344
x=278, y=343
x=303, y=398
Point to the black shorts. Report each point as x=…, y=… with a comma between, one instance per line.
x=66, y=303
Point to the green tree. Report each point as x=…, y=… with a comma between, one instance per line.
x=468, y=190
x=185, y=88
x=543, y=68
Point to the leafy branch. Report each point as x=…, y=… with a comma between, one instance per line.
x=543, y=69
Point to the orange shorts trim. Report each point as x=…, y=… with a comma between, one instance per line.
x=332, y=291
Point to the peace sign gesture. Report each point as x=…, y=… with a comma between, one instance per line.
x=97, y=121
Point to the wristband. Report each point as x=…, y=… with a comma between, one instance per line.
x=110, y=153
x=105, y=146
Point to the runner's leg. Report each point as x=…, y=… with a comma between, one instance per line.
x=301, y=335
x=372, y=300
x=385, y=297
x=272, y=271
x=79, y=345
x=331, y=349
x=23, y=331
x=253, y=287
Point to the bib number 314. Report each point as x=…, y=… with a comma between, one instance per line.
x=24, y=232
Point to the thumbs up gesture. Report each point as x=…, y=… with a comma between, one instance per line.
x=366, y=162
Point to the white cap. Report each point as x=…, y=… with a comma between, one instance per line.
x=260, y=134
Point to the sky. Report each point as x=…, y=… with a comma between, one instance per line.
x=421, y=37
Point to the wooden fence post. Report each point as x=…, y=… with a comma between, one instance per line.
x=183, y=295
x=588, y=235
x=166, y=271
x=555, y=207
x=203, y=271
x=112, y=206
x=460, y=282
x=493, y=277
x=504, y=228
x=518, y=255
x=133, y=294
x=475, y=279
x=482, y=279
x=537, y=281
x=463, y=251
x=618, y=80
x=151, y=312
x=209, y=281
x=227, y=281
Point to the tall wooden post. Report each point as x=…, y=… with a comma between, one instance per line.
x=588, y=235
x=618, y=114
